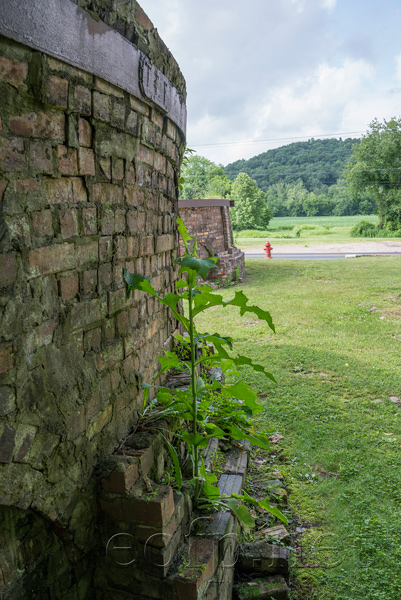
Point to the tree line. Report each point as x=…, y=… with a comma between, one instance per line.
x=314, y=178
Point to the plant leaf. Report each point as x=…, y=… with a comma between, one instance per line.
x=242, y=391
x=201, y=266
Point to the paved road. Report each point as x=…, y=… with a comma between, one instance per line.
x=318, y=255
x=329, y=250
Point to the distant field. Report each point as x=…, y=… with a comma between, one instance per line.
x=305, y=229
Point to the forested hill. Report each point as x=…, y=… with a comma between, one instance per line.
x=318, y=163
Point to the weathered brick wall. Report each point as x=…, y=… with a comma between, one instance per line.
x=209, y=221
x=88, y=178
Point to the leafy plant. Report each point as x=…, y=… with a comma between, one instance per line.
x=209, y=408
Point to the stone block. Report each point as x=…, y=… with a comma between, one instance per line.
x=272, y=588
x=8, y=269
x=86, y=251
x=67, y=159
x=107, y=88
x=84, y=133
x=122, y=478
x=100, y=422
x=118, y=114
x=45, y=125
x=118, y=169
x=65, y=190
x=69, y=287
x=7, y=400
x=7, y=444
x=107, y=193
x=41, y=157
x=265, y=558
x=51, y=259
x=88, y=312
x=139, y=106
x=76, y=424
x=69, y=223
x=147, y=245
x=164, y=243
x=89, y=281
x=110, y=356
x=56, y=93
x=86, y=161
x=89, y=221
x=194, y=579
x=278, y=532
x=101, y=106
x=13, y=72
x=81, y=100
x=42, y=223
x=6, y=357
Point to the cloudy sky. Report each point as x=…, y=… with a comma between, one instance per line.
x=263, y=73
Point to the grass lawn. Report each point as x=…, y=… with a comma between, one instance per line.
x=336, y=358
x=305, y=230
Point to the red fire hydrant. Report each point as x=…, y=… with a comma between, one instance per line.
x=268, y=249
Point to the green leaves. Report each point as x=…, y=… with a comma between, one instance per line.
x=201, y=266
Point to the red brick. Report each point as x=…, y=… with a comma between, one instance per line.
x=107, y=221
x=57, y=92
x=120, y=247
x=164, y=243
x=89, y=218
x=6, y=357
x=105, y=248
x=41, y=157
x=82, y=100
x=101, y=106
x=120, y=482
x=160, y=163
x=67, y=160
x=42, y=222
x=8, y=269
x=132, y=247
x=85, y=133
x=86, y=251
x=12, y=71
x=122, y=322
x=69, y=223
x=12, y=157
x=86, y=159
x=65, y=190
x=52, y=259
x=155, y=511
x=69, y=287
x=39, y=125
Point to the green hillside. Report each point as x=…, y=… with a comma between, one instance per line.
x=318, y=163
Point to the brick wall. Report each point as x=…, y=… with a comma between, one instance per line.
x=87, y=188
x=209, y=221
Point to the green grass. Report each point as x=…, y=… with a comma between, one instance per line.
x=333, y=356
x=301, y=230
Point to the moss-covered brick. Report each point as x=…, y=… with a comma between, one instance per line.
x=89, y=221
x=8, y=269
x=88, y=312
x=7, y=444
x=56, y=92
x=86, y=251
x=12, y=157
x=106, y=193
x=118, y=169
x=7, y=400
x=101, y=106
x=117, y=300
x=13, y=72
x=65, y=190
x=85, y=133
x=118, y=114
x=69, y=287
x=86, y=161
x=69, y=223
x=99, y=422
x=51, y=259
x=81, y=100
x=42, y=223
x=109, y=141
x=41, y=157
x=67, y=160
x=39, y=125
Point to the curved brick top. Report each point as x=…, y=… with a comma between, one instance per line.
x=62, y=29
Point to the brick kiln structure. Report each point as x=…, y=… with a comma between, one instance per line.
x=92, y=128
x=209, y=221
